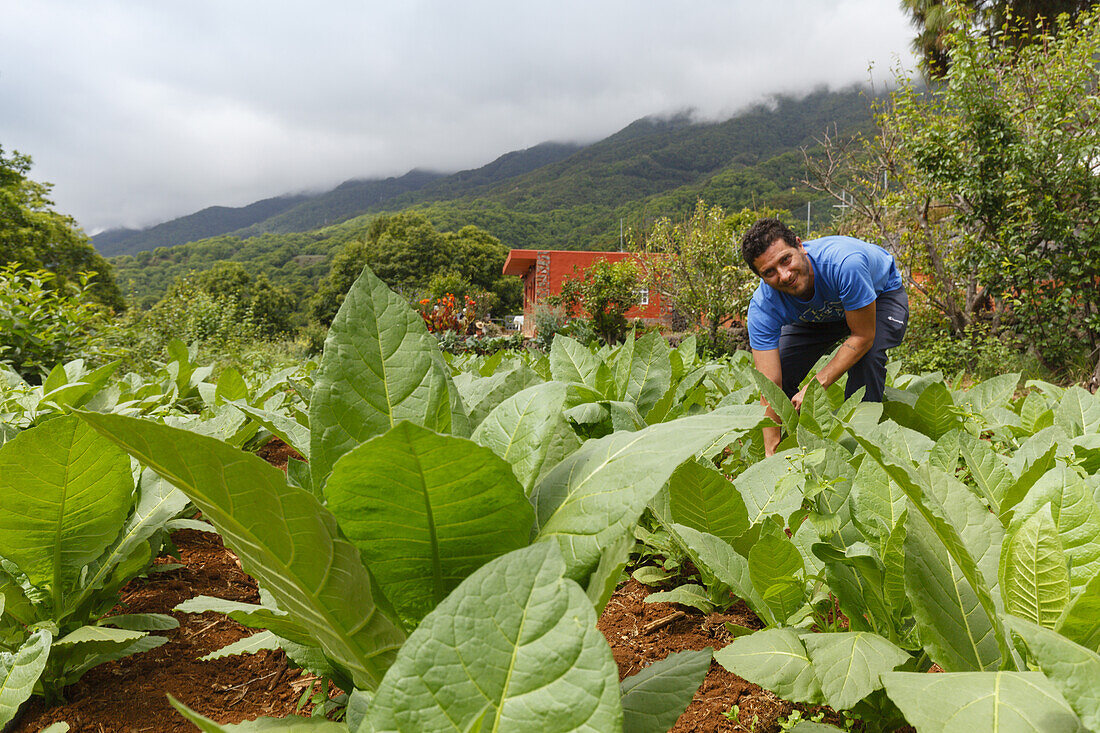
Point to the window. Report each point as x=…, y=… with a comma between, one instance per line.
x=643, y=296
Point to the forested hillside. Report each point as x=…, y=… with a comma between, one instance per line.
x=551, y=196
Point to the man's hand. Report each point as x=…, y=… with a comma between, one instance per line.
x=797, y=399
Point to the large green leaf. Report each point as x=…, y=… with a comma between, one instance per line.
x=704, y=499
x=158, y=501
x=956, y=581
x=1080, y=621
x=571, y=361
x=285, y=539
x=426, y=510
x=1073, y=669
x=19, y=672
x=655, y=697
x=64, y=495
x=514, y=647
x=600, y=490
x=287, y=429
x=777, y=660
x=1076, y=516
x=981, y=702
x=1078, y=412
x=650, y=372
x=530, y=432
x=380, y=366
x=994, y=392
x=877, y=502
x=483, y=394
x=849, y=665
x=772, y=486
x=1036, y=578
x=957, y=632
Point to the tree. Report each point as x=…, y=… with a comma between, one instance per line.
x=1025, y=19
x=696, y=265
x=605, y=291
x=35, y=236
x=234, y=294
x=405, y=251
x=994, y=186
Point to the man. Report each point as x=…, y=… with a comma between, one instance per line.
x=813, y=295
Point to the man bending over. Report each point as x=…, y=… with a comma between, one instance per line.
x=813, y=295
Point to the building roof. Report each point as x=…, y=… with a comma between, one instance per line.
x=519, y=261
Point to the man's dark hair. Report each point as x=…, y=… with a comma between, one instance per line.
x=762, y=235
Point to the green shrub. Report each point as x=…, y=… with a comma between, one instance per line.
x=929, y=346
x=43, y=322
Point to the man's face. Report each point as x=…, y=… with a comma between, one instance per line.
x=787, y=269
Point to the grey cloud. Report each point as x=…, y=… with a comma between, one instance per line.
x=143, y=111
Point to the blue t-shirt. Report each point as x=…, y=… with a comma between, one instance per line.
x=848, y=274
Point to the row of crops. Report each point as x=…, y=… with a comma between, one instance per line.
x=460, y=522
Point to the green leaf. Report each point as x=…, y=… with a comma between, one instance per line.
x=380, y=366
x=285, y=539
x=1078, y=412
x=771, y=486
x=688, y=594
x=516, y=643
x=990, y=473
x=1080, y=621
x=64, y=493
x=529, y=431
x=231, y=386
x=776, y=569
x=604, y=579
x=704, y=499
x=287, y=429
x=1073, y=669
x=654, y=698
x=425, y=511
x=571, y=361
x=482, y=396
x=724, y=564
x=1076, y=516
x=599, y=491
x=849, y=665
x=158, y=501
x=248, y=645
x=1036, y=578
x=778, y=400
x=956, y=581
x=992, y=393
x=650, y=372
x=957, y=632
x=776, y=660
x=981, y=702
x=19, y=672
x=140, y=622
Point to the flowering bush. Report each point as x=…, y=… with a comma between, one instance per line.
x=443, y=314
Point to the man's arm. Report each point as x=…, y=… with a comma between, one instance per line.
x=767, y=363
x=861, y=323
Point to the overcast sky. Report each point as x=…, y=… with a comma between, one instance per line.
x=140, y=111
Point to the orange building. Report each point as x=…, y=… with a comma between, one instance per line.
x=543, y=272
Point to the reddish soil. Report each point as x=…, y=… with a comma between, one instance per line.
x=129, y=695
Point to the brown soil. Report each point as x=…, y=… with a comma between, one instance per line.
x=129, y=695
